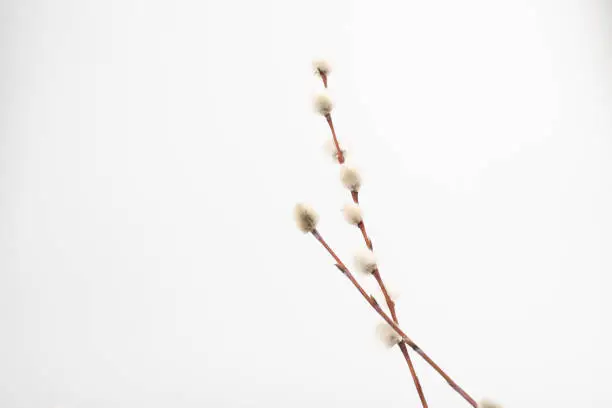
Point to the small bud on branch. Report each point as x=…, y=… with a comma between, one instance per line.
x=388, y=335
x=350, y=177
x=321, y=67
x=352, y=214
x=366, y=261
x=323, y=104
x=486, y=403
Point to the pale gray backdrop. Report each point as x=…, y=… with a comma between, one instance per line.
x=151, y=153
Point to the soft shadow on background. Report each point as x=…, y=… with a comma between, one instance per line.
x=151, y=153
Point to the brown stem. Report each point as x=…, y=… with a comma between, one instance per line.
x=323, y=77
x=331, y=126
x=388, y=300
x=370, y=299
x=413, y=373
x=367, y=239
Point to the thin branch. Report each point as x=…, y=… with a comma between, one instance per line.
x=336, y=143
x=368, y=242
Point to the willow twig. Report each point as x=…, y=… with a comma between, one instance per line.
x=368, y=242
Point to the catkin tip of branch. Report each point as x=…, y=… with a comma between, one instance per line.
x=306, y=218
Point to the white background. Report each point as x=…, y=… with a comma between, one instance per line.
x=151, y=153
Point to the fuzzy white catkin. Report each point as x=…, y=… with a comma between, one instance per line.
x=365, y=261
x=323, y=103
x=350, y=178
x=486, y=403
x=352, y=213
x=321, y=66
x=306, y=217
x=393, y=292
x=388, y=335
